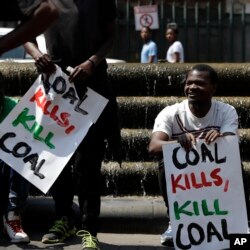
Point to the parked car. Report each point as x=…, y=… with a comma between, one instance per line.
x=19, y=55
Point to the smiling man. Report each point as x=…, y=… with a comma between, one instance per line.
x=199, y=116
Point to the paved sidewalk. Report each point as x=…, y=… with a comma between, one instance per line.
x=127, y=223
x=107, y=241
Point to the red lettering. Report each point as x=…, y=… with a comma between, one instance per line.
x=65, y=121
x=175, y=183
x=69, y=129
x=188, y=181
x=204, y=180
x=40, y=99
x=194, y=182
x=217, y=179
x=53, y=113
x=36, y=98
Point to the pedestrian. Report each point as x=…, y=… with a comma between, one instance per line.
x=198, y=116
x=14, y=188
x=34, y=17
x=175, y=52
x=81, y=38
x=149, y=48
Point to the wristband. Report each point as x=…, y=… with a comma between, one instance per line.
x=92, y=62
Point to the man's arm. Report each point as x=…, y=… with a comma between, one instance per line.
x=109, y=32
x=158, y=139
x=151, y=59
x=43, y=62
x=35, y=24
x=86, y=69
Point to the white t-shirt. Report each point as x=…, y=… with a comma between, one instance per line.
x=177, y=119
x=176, y=47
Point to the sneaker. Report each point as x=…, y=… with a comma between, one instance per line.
x=167, y=236
x=89, y=242
x=13, y=227
x=59, y=232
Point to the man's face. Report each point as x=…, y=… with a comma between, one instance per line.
x=170, y=35
x=198, y=87
x=145, y=35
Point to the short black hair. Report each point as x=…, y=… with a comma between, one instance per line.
x=173, y=27
x=206, y=68
x=147, y=28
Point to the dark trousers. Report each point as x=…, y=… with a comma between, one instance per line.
x=81, y=175
x=14, y=189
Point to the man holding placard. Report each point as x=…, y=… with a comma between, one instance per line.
x=81, y=39
x=197, y=117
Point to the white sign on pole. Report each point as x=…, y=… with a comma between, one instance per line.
x=42, y=132
x=205, y=191
x=146, y=15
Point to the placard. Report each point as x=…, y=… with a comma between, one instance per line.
x=42, y=132
x=205, y=193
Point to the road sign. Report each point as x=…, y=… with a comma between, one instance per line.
x=146, y=15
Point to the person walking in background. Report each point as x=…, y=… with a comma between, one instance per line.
x=34, y=16
x=81, y=38
x=175, y=52
x=149, y=48
x=14, y=188
x=199, y=116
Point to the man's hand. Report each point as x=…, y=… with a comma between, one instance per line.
x=44, y=64
x=212, y=135
x=187, y=141
x=82, y=71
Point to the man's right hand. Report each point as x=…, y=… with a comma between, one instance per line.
x=44, y=64
x=187, y=141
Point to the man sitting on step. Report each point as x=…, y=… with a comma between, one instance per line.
x=199, y=116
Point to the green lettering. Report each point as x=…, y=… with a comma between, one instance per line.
x=217, y=208
x=23, y=118
x=181, y=210
x=205, y=210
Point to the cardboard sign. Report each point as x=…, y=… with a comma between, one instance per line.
x=146, y=15
x=42, y=132
x=205, y=193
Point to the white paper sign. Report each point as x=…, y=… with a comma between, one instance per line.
x=146, y=15
x=42, y=132
x=205, y=193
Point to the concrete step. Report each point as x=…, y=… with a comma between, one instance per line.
x=135, y=145
x=141, y=111
x=132, y=178
x=166, y=79
x=136, y=79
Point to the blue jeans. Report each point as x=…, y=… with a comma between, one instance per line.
x=14, y=189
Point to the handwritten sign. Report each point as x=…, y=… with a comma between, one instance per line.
x=205, y=193
x=42, y=132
